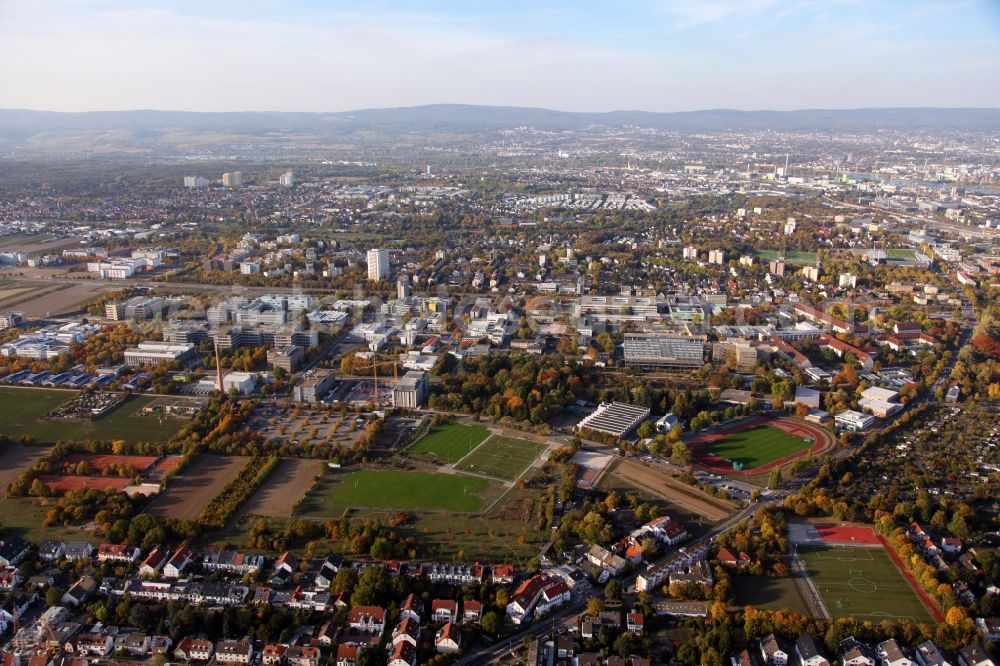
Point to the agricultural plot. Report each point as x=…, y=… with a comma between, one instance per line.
x=283, y=489
x=676, y=492
x=450, y=442
x=393, y=489
x=23, y=410
x=63, y=300
x=862, y=582
x=501, y=457
x=193, y=488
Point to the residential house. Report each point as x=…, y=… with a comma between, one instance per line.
x=51, y=551
x=10, y=578
x=117, y=553
x=602, y=557
x=989, y=628
x=178, y=562
x=402, y=654
x=134, y=644
x=231, y=562
x=367, y=619
x=285, y=567
x=407, y=630
x=444, y=610
x=448, y=639
x=809, y=653
x=347, y=654
x=92, y=644
x=503, y=574
x=453, y=574
x=472, y=611
x=328, y=571
x=891, y=653
x=13, y=550
x=273, y=655
x=973, y=654
x=928, y=654
x=412, y=607
x=79, y=591
x=635, y=622
x=772, y=651
x=154, y=562
x=78, y=550
x=855, y=653
x=234, y=652
x=302, y=655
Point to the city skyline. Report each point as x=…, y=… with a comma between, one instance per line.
x=672, y=55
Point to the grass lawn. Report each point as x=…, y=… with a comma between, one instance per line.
x=501, y=457
x=22, y=411
x=769, y=593
x=863, y=583
x=393, y=489
x=791, y=257
x=450, y=442
x=756, y=446
x=23, y=516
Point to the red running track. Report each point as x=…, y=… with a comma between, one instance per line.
x=822, y=438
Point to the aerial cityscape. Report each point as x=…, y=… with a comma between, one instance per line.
x=386, y=333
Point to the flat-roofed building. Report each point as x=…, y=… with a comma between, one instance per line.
x=681, y=353
x=286, y=358
x=614, y=418
x=137, y=307
x=313, y=387
x=152, y=353
x=411, y=390
x=853, y=421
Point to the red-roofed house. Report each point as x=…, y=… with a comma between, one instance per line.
x=448, y=639
x=444, y=610
x=154, y=561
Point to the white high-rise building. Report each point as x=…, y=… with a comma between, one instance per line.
x=195, y=181
x=378, y=265
x=287, y=179
x=232, y=179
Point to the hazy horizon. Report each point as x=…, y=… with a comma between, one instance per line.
x=647, y=55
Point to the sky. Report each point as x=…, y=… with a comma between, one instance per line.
x=574, y=55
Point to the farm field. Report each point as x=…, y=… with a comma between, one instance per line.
x=791, y=257
x=392, y=489
x=63, y=300
x=284, y=487
x=769, y=593
x=677, y=492
x=756, y=446
x=22, y=411
x=15, y=459
x=450, y=442
x=862, y=582
x=194, y=487
x=501, y=457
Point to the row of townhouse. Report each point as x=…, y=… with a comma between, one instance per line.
x=207, y=592
x=806, y=651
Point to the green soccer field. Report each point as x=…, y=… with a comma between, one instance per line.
x=862, y=582
x=409, y=490
x=22, y=411
x=501, y=457
x=901, y=253
x=450, y=442
x=756, y=446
